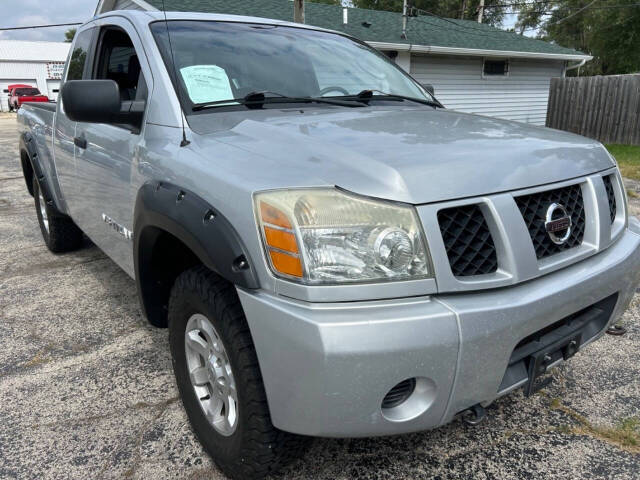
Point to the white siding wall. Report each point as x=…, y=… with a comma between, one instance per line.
x=459, y=85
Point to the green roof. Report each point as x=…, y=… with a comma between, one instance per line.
x=382, y=26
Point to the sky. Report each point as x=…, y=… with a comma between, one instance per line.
x=41, y=12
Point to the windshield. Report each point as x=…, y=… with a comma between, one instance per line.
x=21, y=92
x=217, y=61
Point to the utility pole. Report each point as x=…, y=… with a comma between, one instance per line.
x=404, y=19
x=298, y=11
x=480, y=11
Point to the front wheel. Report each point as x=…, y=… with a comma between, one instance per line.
x=219, y=378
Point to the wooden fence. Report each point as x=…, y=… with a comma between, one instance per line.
x=604, y=108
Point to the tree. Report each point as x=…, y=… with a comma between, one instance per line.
x=465, y=9
x=608, y=29
x=69, y=34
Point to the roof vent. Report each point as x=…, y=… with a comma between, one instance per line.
x=345, y=15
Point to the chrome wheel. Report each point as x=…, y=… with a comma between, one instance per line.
x=43, y=210
x=211, y=375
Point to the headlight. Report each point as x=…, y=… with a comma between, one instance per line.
x=324, y=236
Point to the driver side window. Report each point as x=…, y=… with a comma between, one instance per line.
x=118, y=61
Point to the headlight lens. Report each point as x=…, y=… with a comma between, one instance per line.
x=325, y=236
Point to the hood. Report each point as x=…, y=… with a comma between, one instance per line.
x=414, y=155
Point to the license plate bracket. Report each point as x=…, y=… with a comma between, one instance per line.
x=540, y=361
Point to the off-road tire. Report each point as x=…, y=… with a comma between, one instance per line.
x=256, y=448
x=62, y=235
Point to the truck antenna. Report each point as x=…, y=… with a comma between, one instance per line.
x=184, y=141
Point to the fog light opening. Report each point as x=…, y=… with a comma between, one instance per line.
x=408, y=399
x=399, y=394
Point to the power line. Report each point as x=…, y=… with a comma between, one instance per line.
x=453, y=22
x=560, y=20
x=41, y=26
x=601, y=7
x=597, y=7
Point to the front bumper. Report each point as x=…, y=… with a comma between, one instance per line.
x=327, y=367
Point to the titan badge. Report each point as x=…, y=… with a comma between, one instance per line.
x=126, y=233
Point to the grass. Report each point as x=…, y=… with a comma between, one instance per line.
x=628, y=157
x=625, y=434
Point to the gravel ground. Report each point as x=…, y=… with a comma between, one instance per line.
x=87, y=391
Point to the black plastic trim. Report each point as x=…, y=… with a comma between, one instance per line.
x=27, y=144
x=164, y=207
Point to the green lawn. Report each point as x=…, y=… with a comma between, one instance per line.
x=628, y=157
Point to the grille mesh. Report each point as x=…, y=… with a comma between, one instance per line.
x=468, y=242
x=608, y=184
x=534, y=211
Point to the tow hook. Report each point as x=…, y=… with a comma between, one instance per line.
x=474, y=415
x=616, y=330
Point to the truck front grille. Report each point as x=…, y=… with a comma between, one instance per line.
x=534, y=211
x=611, y=196
x=468, y=242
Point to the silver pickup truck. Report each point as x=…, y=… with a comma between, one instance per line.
x=333, y=252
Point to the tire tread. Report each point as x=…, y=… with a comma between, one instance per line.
x=265, y=449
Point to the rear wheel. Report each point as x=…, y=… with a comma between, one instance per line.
x=59, y=232
x=219, y=378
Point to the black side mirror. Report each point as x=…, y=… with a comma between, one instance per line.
x=6, y=90
x=92, y=101
x=429, y=88
x=98, y=101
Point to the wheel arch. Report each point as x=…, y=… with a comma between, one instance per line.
x=30, y=161
x=175, y=229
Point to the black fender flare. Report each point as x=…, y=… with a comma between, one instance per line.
x=28, y=144
x=162, y=206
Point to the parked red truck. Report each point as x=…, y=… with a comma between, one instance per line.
x=20, y=93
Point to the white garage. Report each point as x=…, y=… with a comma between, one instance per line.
x=38, y=64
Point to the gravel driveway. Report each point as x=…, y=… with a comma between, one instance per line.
x=87, y=391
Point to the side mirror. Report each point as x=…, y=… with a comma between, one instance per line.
x=429, y=88
x=92, y=101
x=6, y=90
x=98, y=101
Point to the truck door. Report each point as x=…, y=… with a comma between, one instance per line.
x=65, y=129
x=107, y=154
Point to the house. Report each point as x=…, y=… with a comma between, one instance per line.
x=473, y=67
x=39, y=64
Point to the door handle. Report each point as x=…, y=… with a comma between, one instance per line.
x=80, y=142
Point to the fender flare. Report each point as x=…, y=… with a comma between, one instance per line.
x=162, y=206
x=28, y=144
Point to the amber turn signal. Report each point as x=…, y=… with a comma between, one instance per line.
x=281, y=242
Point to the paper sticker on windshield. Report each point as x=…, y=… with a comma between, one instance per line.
x=206, y=83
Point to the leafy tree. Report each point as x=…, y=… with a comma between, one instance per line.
x=464, y=9
x=69, y=34
x=608, y=29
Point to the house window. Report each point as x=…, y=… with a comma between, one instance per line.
x=495, y=68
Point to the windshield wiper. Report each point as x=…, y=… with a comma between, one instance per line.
x=366, y=95
x=258, y=99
